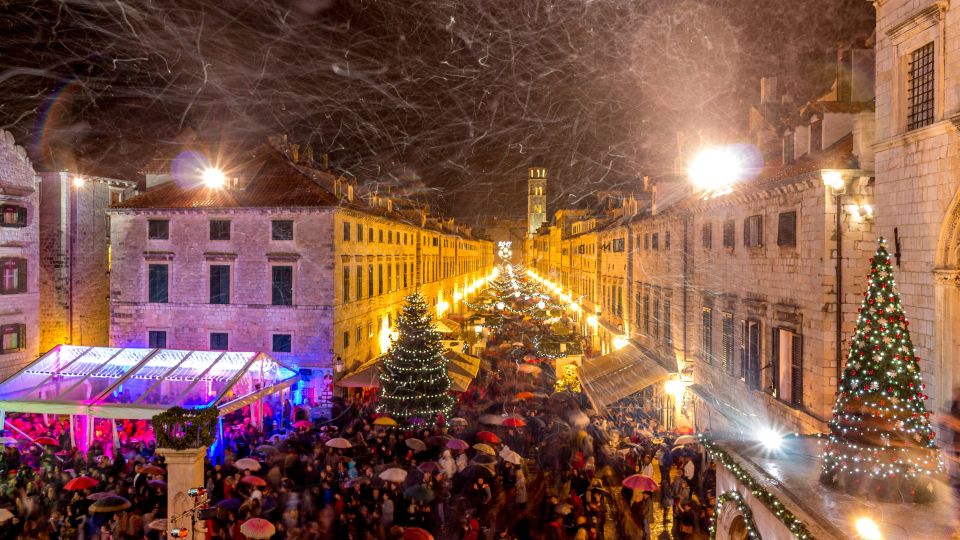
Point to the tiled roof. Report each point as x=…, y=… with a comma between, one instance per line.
x=269, y=180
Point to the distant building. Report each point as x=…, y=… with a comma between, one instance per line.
x=536, y=198
x=75, y=257
x=19, y=259
x=285, y=259
x=507, y=230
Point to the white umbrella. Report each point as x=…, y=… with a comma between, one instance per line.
x=339, y=442
x=5, y=515
x=394, y=474
x=491, y=419
x=511, y=457
x=248, y=464
x=686, y=439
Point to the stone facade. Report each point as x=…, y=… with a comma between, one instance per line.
x=75, y=257
x=351, y=263
x=918, y=201
x=19, y=258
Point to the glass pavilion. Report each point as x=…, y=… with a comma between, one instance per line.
x=136, y=384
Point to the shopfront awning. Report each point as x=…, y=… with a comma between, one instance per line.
x=619, y=374
x=462, y=369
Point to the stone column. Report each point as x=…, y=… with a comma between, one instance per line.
x=184, y=472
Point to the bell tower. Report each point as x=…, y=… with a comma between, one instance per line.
x=536, y=198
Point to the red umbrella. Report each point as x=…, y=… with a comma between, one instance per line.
x=640, y=482
x=416, y=533
x=46, y=441
x=254, y=480
x=514, y=422
x=525, y=395
x=303, y=424
x=257, y=528
x=153, y=470
x=487, y=437
x=80, y=483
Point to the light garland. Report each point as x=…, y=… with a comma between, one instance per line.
x=880, y=432
x=742, y=507
x=792, y=522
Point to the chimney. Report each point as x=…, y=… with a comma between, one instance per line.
x=768, y=90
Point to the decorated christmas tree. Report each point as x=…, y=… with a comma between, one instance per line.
x=880, y=442
x=413, y=377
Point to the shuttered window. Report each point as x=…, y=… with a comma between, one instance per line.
x=706, y=335
x=13, y=338
x=787, y=229
x=219, y=229
x=158, y=283
x=158, y=229
x=346, y=284
x=12, y=215
x=667, y=331
x=656, y=316
x=729, y=234
x=707, y=234
x=13, y=275
x=787, y=364
x=753, y=231
x=219, y=284
x=750, y=353
x=157, y=339
x=281, y=229
x=219, y=341
x=727, y=342
x=281, y=285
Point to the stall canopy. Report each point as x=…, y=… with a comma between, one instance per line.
x=619, y=374
x=110, y=382
x=462, y=369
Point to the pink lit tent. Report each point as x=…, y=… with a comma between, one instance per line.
x=128, y=383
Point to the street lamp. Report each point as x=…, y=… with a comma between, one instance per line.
x=867, y=529
x=715, y=169
x=79, y=181
x=213, y=177
x=338, y=364
x=835, y=183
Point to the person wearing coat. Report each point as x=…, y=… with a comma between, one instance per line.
x=521, y=486
x=462, y=462
x=448, y=464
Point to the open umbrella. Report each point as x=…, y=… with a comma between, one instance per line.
x=80, y=483
x=46, y=441
x=247, y=464
x=113, y=503
x=253, y=480
x=686, y=439
x=339, y=442
x=416, y=445
x=158, y=525
x=491, y=419
x=639, y=482
x=484, y=459
x=684, y=430
x=152, y=470
x=267, y=449
x=5, y=515
x=394, y=475
x=384, y=421
x=229, y=504
x=8, y=440
x=563, y=509
x=459, y=421
x=485, y=448
x=302, y=424
x=157, y=483
x=524, y=395
x=487, y=437
x=429, y=466
x=100, y=495
x=472, y=472
x=514, y=422
x=511, y=457
x=457, y=444
x=416, y=533
x=419, y=493
x=437, y=440
x=257, y=528
x=529, y=368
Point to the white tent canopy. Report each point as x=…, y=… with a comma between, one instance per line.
x=129, y=383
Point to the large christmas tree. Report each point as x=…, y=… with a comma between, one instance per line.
x=413, y=376
x=880, y=443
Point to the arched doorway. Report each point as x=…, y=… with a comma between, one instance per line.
x=734, y=520
x=946, y=383
x=737, y=529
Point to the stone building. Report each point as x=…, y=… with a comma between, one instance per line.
x=19, y=258
x=75, y=257
x=282, y=258
x=917, y=195
x=536, y=198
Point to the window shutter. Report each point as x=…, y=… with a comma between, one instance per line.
x=775, y=361
x=21, y=216
x=21, y=275
x=787, y=229
x=796, y=372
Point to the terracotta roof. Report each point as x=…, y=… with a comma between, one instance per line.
x=269, y=180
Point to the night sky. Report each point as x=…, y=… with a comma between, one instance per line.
x=452, y=100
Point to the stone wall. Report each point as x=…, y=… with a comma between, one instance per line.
x=19, y=187
x=917, y=186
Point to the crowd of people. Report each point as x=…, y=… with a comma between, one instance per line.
x=515, y=461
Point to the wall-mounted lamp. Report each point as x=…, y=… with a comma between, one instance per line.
x=861, y=212
x=834, y=180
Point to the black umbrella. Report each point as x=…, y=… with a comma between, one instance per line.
x=229, y=504
x=472, y=472
x=113, y=503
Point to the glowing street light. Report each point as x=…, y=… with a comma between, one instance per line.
x=79, y=181
x=213, y=178
x=715, y=169
x=770, y=438
x=867, y=529
x=619, y=342
x=833, y=180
